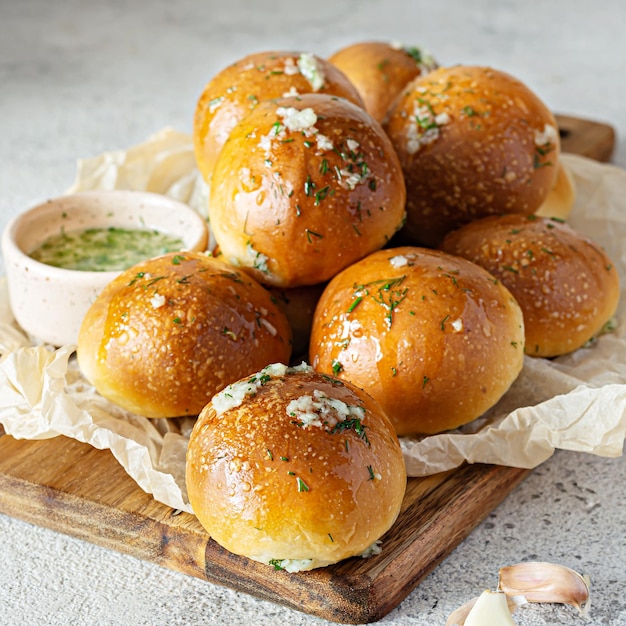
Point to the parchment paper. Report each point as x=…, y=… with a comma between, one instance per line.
x=574, y=402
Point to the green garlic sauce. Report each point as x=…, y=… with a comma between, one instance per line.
x=104, y=249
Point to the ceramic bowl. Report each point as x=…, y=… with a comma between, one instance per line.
x=49, y=302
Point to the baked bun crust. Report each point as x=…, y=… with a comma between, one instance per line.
x=473, y=141
x=434, y=338
x=168, y=333
x=294, y=469
x=380, y=70
x=566, y=285
x=237, y=89
x=299, y=304
x=304, y=187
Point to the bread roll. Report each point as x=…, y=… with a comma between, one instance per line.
x=237, y=89
x=566, y=285
x=294, y=469
x=434, y=338
x=168, y=333
x=379, y=70
x=303, y=188
x=299, y=304
x=473, y=141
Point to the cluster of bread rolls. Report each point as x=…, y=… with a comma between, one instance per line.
x=401, y=222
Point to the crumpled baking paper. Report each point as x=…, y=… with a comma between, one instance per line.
x=574, y=402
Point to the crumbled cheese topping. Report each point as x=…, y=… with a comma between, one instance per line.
x=399, y=260
x=457, y=324
x=424, y=127
x=357, y=170
x=291, y=565
x=321, y=410
x=157, y=301
x=296, y=119
x=303, y=368
x=324, y=143
x=292, y=93
x=548, y=135
x=372, y=550
x=350, y=179
x=311, y=69
x=266, y=140
x=290, y=67
x=352, y=144
x=215, y=104
x=424, y=59
x=234, y=395
x=259, y=260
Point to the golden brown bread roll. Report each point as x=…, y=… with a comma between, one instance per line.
x=299, y=304
x=168, y=333
x=473, y=141
x=304, y=187
x=237, y=89
x=294, y=469
x=379, y=70
x=434, y=338
x=566, y=285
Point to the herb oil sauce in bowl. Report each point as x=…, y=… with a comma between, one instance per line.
x=60, y=254
x=104, y=249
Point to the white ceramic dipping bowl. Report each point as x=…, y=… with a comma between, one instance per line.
x=48, y=302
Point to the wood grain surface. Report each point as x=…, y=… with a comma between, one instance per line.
x=73, y=488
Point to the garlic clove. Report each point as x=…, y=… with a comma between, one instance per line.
x=546, y=582
x=490, y=609
x=458, y=616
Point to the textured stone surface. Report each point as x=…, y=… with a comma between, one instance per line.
x=78, y=78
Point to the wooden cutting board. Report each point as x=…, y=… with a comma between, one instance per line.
x=75, y=489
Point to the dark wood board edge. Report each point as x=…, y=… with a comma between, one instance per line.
x=120, y=530
x=439, y=512
x=593, y=139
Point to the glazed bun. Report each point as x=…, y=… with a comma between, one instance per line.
x=294, y=469
x=237, y=89
x=380, y=70
x=303, y=188
x=566, y=285
x=434, y=338
x=473, y=141
x=298, y=304
x=168, y=333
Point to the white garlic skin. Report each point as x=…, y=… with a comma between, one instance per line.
x=491, y=609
